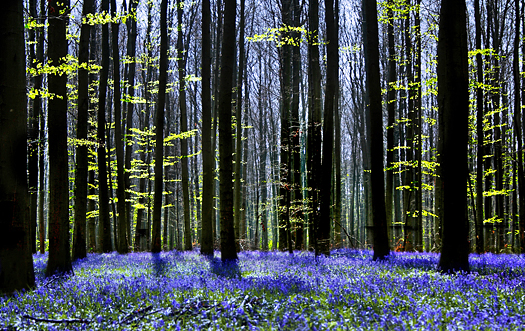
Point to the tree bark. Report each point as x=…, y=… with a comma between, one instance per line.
x=81, y=171
x=228, y=250
x=16, y=273
x=159, y=131
x=391, y=110
x=239, y=234
x=104, y=226
x=314, y=122
x=480, y=240
x=453, y=102
x=375, y=132
x=59, y=261
x=207, y=151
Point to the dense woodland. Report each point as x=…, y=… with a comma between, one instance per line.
x=261, y=125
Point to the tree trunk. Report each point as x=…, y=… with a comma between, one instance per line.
x=181, y=62
x=32, y=136
x=16, y=273
x=159, y=130
x=480, y=240
x=58, y=232
x=239, y=235
x=41, y=154
x=228, y=250
x=453, y=102
x=330, y=102
x=391, y=109
x=518, y=131
x=296, y=204
x=314, y=122
x=207, y=150
x=81, y=171
x=375, y=132
x=104, y=226
x=131, y=53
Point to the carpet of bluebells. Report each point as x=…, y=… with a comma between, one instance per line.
x=272, y=291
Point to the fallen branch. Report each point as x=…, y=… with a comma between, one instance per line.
x=47, y=320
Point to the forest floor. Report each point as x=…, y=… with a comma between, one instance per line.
x=272, y=291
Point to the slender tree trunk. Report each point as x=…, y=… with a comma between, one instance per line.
x=16, y=272
x=391, y=109
x=81, y=171
x=159, y=130
x=453, y=101
x=207, y=150
x=518, y=130
x=184, y=127
x=104, y=227
x=37, y=103
x=32, y=135
x=284, y=171
x=239, y=234
x=480, y=240
x=228, y=250
x=58, y=233
x=121, y=241
x=314, y=122
x=131, y=53
x=330, y=102
x=296, y=204
x=371, y=43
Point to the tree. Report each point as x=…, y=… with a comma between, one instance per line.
x=59, y=261
x=453, y=102
x=228, y=250
x=330, y=102
x=480, y=240
x=518, y=130
x=81, y=170
x=314, y=121
x=181, y=63
x=156, y=246
x=16, y=271
x=207, y=151
x=122, y=226
x=375, y=131
x=286, y=89
x=391, y=109
x=104, y=226
x=237, y=212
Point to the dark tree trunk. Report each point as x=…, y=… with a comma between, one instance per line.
x=375, y=132
x=207, y=151
x=480, y=240
x=391, y=109
x=239, y=234
x=332, y=70
x=453, y=102
x=104, y=226
x=183, y=127
x=81, y=171
x=121, y=241
x=131, y=52
x=159, y=130
x=16, y=272
x=296, y=204
x=314, y=122
x=518, y=130
x=58, y=232
x=37, y=103
x=228, y=251
x=284, y=171
x=32, y=136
